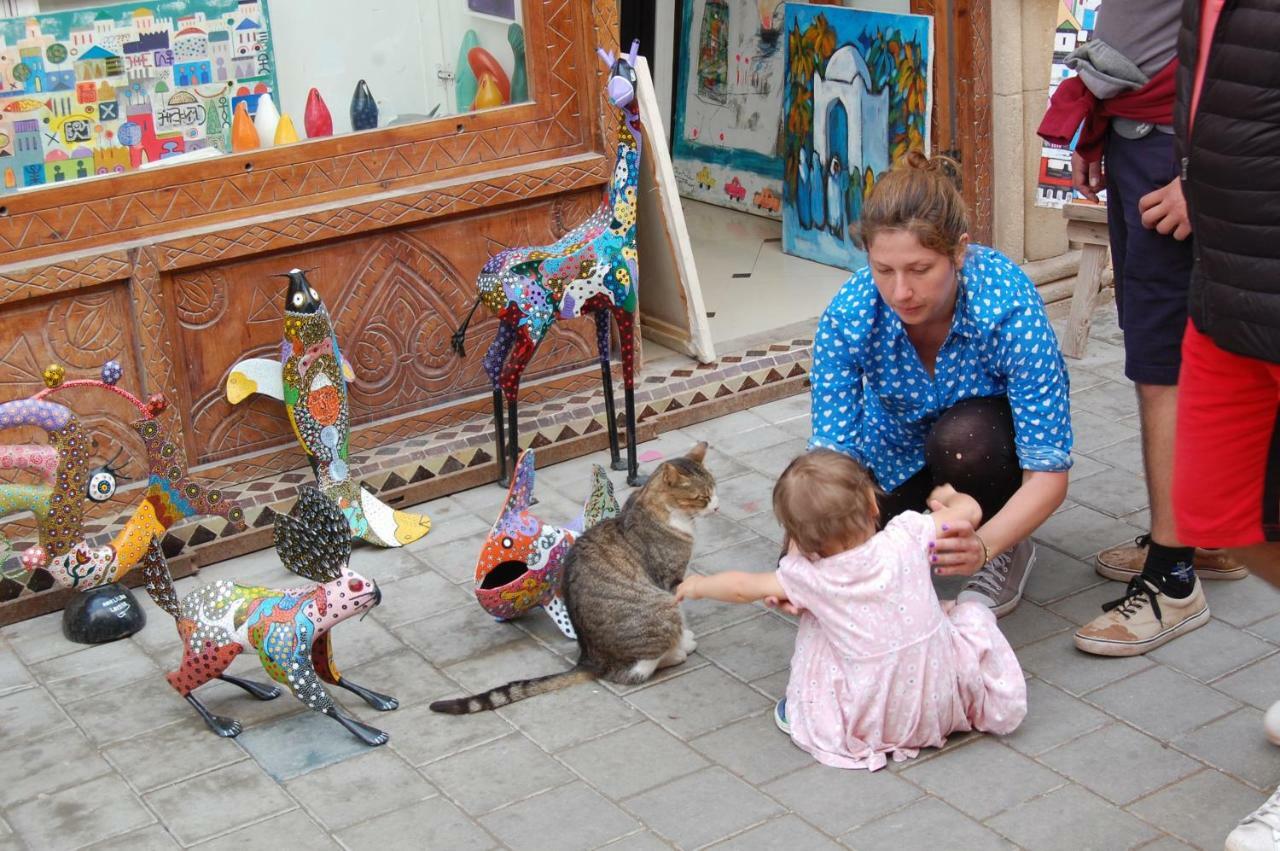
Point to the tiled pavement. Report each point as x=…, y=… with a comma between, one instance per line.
x=1159, y=752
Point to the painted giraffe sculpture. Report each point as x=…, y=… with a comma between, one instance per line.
x=590, y=271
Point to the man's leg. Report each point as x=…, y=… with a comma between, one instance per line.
x=1168, y=562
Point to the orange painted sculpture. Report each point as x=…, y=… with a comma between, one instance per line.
x=493, y=88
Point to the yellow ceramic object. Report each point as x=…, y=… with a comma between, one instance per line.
x=244, y=136
x=285, y=132
x=488, y=95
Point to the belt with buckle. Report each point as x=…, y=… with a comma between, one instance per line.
x=1128, y=128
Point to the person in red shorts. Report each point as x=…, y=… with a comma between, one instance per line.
x=1226, y=489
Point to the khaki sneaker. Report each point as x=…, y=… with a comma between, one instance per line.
x=1142, y=620
x=1260, y=830
x=998, y=584
x=1124, y=562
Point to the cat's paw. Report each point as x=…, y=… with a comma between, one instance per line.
x=688, y=643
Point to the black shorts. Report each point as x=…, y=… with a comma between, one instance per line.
x=1152, y=272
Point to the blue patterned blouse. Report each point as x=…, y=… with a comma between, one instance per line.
x=874, y=400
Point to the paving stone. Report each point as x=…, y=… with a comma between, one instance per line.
x=453, y=636
x=1008, y=778
x=13, y=674
x=742, y=496
x=628, y=761
x=1057, y=661
x=1119, y=763
x=171, y=753
x=1053, y=717
x=83, y=814
x=222, y=799
x=1057, y=575
x=293, y=746
x=539, y=626
x=431, y=824
x=1125, y=455
x=418, y=596
x=33, y=768
x=153, y=838
x=1201, y=809
x=457, y=561
x=1081, y=532
x=773, y=686
x=1084, y=606
x=222, y=698
x=773, y=460
x=1267, y=628
x=30, y=714
x=1162, y=702
x=786, y=408
x=357, y=641
x=359, y=789
x=449, y=522
x=786, y=832
x=1111, y=400
x=755, y=444
x=1092, y=433
x=563, y=718
x=386, y=566
x=1113, y=492
x=702, y=807
x=497, y=773
x=38, y=639
x=1071, y=819
x=1211, y=651
x=421, y=736
x=1029, y=623
x=756, y=555
x=705, y=616
x=1166, y=843
x=639, y=841
x=715, y=531
x=718, y=430
x=835, y=800
x=1082, y=467
x=799, y=426
x=1257, y=685
x=766, y=525
x=924, y=824
x=754, y=749
x=697, y=702
x=752, y=649
x=1243, y=601
x=517, y=660
x=404, y=675
x=567, y=818
x=294, y=829
x=1237, y=746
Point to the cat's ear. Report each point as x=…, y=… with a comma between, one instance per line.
x=520, y=494
x=698, y=453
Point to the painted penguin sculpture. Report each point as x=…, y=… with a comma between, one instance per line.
x=311, y=379
x=521, y=563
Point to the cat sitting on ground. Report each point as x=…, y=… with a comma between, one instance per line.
x=618, y=583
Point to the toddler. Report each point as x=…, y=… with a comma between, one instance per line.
x=880, y=667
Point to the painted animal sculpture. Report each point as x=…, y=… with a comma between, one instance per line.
x=520, y=565
x=288, y=629
x=311, y=379
x=591, y=271
x=58, y=503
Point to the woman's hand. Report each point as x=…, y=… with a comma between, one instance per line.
x=957, y=550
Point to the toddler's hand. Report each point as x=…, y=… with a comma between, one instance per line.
x=783, y=606
x=941, y=494
x=685, y=590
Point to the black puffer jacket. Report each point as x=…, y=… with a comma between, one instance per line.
x=1231, y=175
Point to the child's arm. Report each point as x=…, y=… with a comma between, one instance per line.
x=732, y=587
x=950, y=507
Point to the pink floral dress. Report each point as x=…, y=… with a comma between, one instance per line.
x=879, y=669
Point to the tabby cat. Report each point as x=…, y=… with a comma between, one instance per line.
x=618, y=583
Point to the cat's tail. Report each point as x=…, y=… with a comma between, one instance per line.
x=511, y=692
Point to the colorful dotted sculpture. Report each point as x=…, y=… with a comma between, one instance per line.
x=591, y=271
x=311, y=379
x=520, y=565
x=287, y=629
x=58, y=502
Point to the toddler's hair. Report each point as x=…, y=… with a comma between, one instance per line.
x=826, y=502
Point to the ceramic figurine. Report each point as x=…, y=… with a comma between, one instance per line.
x=465, y=82
x=265, y=121
x=364, y=109
x=316, y=119
x=591, y=271
x=519, y=75
x=285, y=132
x=492, y=86
x=244, y=136
x=520, y=562
x=287, y=629
x=311, y=379
x=58, y=503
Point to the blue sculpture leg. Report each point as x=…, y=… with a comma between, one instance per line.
x=494, y=360
x=606, y=375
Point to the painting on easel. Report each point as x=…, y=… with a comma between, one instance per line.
x=729, y=105
x=106, y=90
x=858, y=98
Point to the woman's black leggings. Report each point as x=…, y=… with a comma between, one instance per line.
x=971, y=448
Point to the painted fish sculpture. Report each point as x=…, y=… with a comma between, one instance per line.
x=311, y=379
x=521, y=562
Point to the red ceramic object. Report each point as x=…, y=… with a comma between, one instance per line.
x=483, y=64
x=316, y=120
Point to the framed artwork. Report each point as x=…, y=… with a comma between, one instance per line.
x=106, y=90
x=505, y=9
x=1074, y=26
x=728, y=104
x=858, y=97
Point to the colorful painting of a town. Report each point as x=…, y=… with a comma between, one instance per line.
x=106, y=90
x=729, y=105
x=1073, y=28
x=858, y=97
